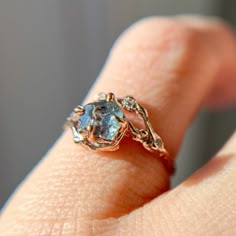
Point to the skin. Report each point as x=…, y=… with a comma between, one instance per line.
x=173, y=66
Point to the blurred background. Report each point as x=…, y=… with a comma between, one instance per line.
x=50, y=54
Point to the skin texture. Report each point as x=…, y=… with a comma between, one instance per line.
x=172, y=66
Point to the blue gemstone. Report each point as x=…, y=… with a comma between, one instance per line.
x=85, y=119
x=103, y=117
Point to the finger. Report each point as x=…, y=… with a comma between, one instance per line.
x=156, y=61
x=204, y=204
x=167, y=59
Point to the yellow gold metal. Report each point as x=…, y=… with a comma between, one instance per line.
x=110, y=97
x=89, y=128
x=79, y=109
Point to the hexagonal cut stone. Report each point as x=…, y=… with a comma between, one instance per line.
x=102, y=116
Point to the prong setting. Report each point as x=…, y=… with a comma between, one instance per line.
x=87, y=123
x=79, y=110
x=110, y=97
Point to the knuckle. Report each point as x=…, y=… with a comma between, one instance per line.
x=156, y=32
x=152, y=40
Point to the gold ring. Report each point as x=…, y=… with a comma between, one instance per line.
x=102, y=124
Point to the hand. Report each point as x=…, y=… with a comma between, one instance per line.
x=173, y=66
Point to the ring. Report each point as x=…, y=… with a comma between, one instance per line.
x=102, y=124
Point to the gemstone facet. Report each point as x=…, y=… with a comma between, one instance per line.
x=103, y=117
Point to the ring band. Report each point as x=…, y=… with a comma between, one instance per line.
x=102, y=124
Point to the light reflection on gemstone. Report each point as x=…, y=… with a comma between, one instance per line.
x=103, y=117
x=108, y=128
x=85, y=119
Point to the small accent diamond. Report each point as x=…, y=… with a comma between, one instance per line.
x=100, y=97
x=129, y=103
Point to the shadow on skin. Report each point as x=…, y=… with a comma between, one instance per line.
x=136, y=179
x=215, y=165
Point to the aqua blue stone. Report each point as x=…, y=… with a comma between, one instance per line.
x=85, y=119
x=103, y=117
